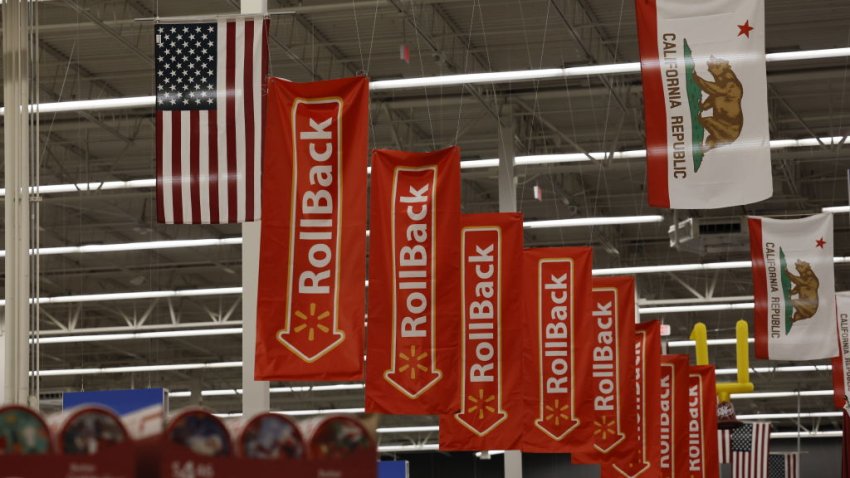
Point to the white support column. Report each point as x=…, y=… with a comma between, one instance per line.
x=507, y=203
x=14, y=374
x=255, y=395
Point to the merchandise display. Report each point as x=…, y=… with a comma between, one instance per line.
x=87, y=430
x=200, y=432
x=268, y=436
x=22, y=432
x=336, y=437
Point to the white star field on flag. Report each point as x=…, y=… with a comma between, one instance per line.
x=186, y=67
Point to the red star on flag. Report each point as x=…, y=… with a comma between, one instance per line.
x=745, y=29
x=820, y=243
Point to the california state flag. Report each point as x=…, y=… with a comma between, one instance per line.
x=705, y=96
x=794, y=287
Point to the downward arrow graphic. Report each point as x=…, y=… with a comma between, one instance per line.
x=556, y=419
x=413, y=371
x=313, y=334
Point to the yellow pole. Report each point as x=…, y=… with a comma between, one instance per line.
x=742, y=350
x=700, y=336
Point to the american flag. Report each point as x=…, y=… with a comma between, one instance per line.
x=749, y=450
x=210, y=82
x=783, y=465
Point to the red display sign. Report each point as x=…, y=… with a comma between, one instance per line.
x=674, y=416
x=645, y=461
x=703, y=461
x=490, y=416
x=557, y=291
x=310, y=306
x=611, y=393
x=414, y=299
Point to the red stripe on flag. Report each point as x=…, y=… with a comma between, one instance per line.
x=160, y=210
x=654, y=109
x=176, y=154
x=248, y=99
x=212, y=128
x=230, y=127
x=759, y=288
x=195, y=164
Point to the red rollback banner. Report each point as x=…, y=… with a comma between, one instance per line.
x=414, y=283
x=674, y=416
x=557, y=288
x=703, y=461
x=490, y=416
x=612, y=378
x=310, y=305
x=645, y=462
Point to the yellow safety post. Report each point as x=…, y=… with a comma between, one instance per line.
x=742, y=352
x=700, y=336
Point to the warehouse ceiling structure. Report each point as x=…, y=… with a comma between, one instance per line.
x=126, y=302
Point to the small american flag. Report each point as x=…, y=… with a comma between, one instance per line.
x=749, y=450
x=783, y=465
x=210, y=82
x=724, y=453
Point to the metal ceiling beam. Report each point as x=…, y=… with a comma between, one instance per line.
x=115, y=34
x=585, y=29
x=430, y=22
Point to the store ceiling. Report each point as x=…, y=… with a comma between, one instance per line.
x=97, y=49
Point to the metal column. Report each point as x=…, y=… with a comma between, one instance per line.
x=255, y=395
x=507, y=203
x=14, y=326
x=507, y=179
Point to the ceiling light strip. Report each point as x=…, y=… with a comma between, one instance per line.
x=135, y=368
x=219, y=365
x=783, y=369
x=296, y=389
x=785, y=416
x=799, y=393
x=165, y=334
x=447, y=80
x=539, y=159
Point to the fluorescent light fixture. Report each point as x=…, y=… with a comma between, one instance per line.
x=301, y=413
x=92, y=105
x=149, y=294
x=786, y=369
x=808, y=434
x=408, y=448
x=695, y=308
x=134, y=368
x=801, y=393
x=592, y=221
x=468, y=164
x=836, y=209
x=422, y=429
x=448, y=80
x=166, y=334
x=780, y=416
x=691, y=343
x=298, y=389
x=807, y=54
x=488, y=453
x=711, y=266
